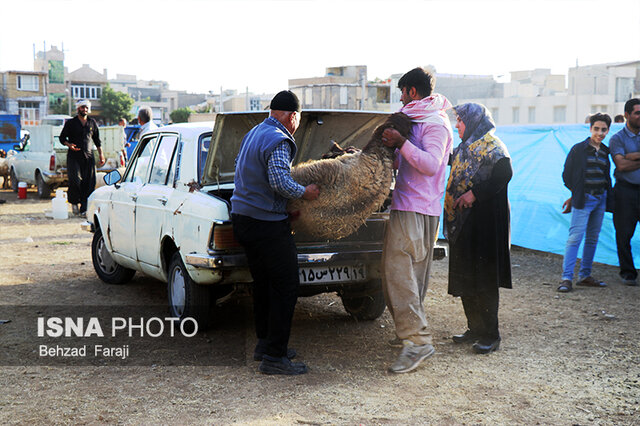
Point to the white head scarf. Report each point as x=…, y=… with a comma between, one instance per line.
x=83, y=102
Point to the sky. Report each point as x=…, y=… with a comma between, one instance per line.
x=201, y=46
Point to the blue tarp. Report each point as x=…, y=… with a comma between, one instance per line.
x=536, y=191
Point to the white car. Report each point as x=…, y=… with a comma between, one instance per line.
x=169, y=217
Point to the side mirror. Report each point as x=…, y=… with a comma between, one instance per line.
x=112, y=177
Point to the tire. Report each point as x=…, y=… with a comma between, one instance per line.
x=186, y=297
x=365, y=306
x=14, y=181
x=44, y=190
x=106, y=268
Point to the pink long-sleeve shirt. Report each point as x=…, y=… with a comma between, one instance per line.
x=421, y=164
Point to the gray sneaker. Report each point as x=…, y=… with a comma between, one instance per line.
x=74, y=209
x=633, y=282
x=411, y=356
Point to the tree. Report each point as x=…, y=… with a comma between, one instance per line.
x=61, y=108
x=116, y=105
x=180, y=115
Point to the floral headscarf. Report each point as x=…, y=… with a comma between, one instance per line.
x=472, y=162
x=477, y=121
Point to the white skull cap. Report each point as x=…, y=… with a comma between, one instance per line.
x=83, y=102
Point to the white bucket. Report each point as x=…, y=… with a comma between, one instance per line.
x=59, y=205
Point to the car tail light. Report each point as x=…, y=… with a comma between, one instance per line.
x=52, y=162
x=223, y=237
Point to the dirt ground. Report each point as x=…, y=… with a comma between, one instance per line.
x=565, y=358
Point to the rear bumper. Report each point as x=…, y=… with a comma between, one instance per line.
x=223, y=261
x=53, y=177
x=239, y=260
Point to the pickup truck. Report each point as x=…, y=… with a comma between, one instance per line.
x=169, y=217
x=41, y=160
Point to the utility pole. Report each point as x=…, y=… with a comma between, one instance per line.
x=364, y=88
x=575, y=90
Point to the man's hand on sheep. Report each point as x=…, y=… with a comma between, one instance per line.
x=466, y=200
x=311, y=192
x=392, y=138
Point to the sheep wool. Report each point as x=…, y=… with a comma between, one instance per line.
x=352, y=186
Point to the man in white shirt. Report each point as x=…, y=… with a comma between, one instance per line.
x=145, y=119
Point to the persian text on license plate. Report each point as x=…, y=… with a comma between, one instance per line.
x=331, y=274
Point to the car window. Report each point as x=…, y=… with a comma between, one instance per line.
x=162, y=160
x=138, y=170
x=205, y=141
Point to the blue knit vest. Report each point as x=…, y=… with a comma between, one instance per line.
x=253, y=195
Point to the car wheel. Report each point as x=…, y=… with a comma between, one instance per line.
x=14, y=181
x=365, y=306
x=107, y=269
x=187, y=299
x=44, y=190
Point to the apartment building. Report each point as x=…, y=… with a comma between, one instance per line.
x=24, y=93
x=344, y=87
x=539, y=97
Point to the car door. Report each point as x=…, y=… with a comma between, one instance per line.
x=123, y=200
x=153, y=201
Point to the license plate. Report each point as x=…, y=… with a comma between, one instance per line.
x=332, y=274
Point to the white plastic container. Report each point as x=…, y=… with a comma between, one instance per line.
x=59, y=207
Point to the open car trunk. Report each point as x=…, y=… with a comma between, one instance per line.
x=318, y=128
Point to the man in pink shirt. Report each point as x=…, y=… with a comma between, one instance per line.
x=415, y=213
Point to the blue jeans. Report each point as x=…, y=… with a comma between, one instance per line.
x=584, y=221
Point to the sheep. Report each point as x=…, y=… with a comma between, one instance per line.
x=352, y=186
x=4, y=169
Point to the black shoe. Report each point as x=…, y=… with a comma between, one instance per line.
x=467, y=337
x=281, y=366
x=485, y=346
x=259, y=353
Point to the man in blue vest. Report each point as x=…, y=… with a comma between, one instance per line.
x=263, y=184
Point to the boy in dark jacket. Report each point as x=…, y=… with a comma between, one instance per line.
x=586, y=174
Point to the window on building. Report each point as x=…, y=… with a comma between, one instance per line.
x=85, y=91
x=344, y=95
x=28, y=82
x=254, y=104
x=598, y=108
x=29, y=113
x=532, y=114
x=308, y=96
x=559, y=114
x=495, y=114
x=624, y=89
x=515, y=115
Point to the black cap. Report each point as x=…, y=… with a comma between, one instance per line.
x=285, y=101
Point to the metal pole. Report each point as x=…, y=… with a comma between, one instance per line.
x=575, y=89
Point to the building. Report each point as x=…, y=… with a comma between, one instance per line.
x=86, y=83
x=52, y=63
x=24, y=93
x=539, y=97
x=344, y=87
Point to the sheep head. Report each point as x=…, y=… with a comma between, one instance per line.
x=399, y=121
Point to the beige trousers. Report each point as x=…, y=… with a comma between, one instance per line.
x=406, y=264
